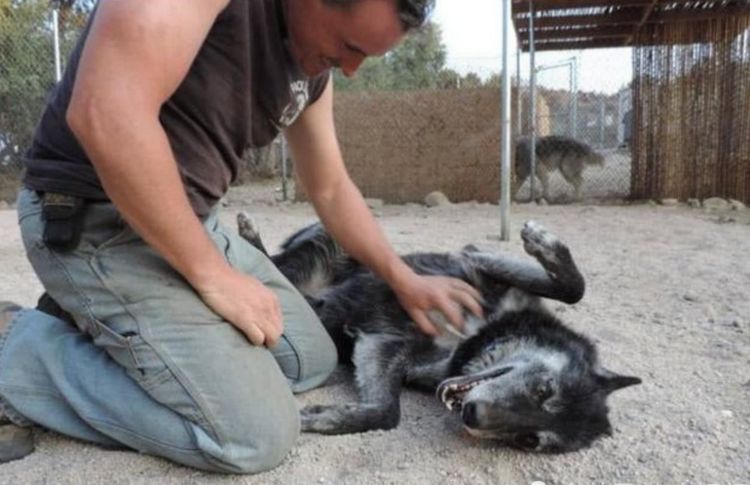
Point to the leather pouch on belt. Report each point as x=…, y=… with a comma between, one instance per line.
x=63, y=220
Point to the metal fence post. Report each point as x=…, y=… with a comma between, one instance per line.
x=519, y=118
x=532, y=102
x=56, y=43
x=574, y=90
x=505, y=140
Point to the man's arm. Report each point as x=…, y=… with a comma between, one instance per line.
x=343, y=211
x=135, y=57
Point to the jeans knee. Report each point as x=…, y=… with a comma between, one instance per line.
x=317, y=365
x=260, y=439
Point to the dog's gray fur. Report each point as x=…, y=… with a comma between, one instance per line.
x=519, y=376
x=554, y=152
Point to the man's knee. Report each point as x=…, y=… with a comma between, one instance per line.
x=307, y=361
x=256, y=437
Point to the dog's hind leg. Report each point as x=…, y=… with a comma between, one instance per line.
x=572, y=171
x=556, y=276
x=380, y=362
x=249, y=231
x=543, y=176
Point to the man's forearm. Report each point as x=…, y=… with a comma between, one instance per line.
x=346, y=216
x=137, y=169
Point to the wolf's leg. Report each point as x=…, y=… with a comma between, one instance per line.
x=380, y=362
x=556, y=276
x=310, y=259
x=249, y=231
x=543, y=176
x=571, y=170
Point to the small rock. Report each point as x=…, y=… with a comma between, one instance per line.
x=374, y=203
x=725, y=219
x=694, y=203
x=4, y=205
x=690, y=297
x=436, y=198
x=736, y=205
x=726, y=413
x=715, y=204
x=669, y=202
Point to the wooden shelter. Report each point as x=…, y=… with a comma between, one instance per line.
x=691, y=86
x=585, y=24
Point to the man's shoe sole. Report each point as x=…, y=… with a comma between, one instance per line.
x=15, y=442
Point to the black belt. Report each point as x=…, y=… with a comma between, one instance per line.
x=63, y=220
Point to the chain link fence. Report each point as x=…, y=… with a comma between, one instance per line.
x=583, y=130
x=36, y=38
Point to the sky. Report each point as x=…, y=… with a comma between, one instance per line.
x=472, y=36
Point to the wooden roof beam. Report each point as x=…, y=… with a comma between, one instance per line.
x=522, y=6
x=540, y=6
x=574, y=44
x=631, y=18
x=647, y=11
x=626, y=17
x=579, y=33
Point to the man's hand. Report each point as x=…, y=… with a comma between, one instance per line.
x=420, y=294
x=246, y=303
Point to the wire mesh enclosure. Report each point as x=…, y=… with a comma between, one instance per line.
x=582, y=132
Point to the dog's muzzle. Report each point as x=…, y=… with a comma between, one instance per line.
x=452, y=391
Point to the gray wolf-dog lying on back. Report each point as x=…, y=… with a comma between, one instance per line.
x=519, y=375
x=554, y=152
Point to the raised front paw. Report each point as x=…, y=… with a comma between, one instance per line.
x=539, y=242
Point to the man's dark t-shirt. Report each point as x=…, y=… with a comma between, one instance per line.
x=242, y=88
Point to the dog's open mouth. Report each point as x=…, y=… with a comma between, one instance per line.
x=451, y=391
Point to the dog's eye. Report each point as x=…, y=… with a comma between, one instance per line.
x=527, y=441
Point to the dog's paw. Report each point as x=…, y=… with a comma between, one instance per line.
x=319, y=418
x=246, y=227
x=539, y=242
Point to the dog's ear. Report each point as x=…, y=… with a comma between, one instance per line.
x=610, y=382
x=469, y=248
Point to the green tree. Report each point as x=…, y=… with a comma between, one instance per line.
x=25, y=39
x=415, y=64
x=449, y=79
x=27, y=67
x=471, y=80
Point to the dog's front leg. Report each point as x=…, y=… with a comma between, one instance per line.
x=555, y=276
x=380, y=361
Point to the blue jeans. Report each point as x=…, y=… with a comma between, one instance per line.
x=147, y=365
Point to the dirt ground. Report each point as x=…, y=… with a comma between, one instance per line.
x=667, y=299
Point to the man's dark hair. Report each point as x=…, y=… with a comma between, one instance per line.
x=413, y=13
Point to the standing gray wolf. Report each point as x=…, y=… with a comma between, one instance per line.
x=554, y=152
x=518, y=375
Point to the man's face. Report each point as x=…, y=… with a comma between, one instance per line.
x=324, y=36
